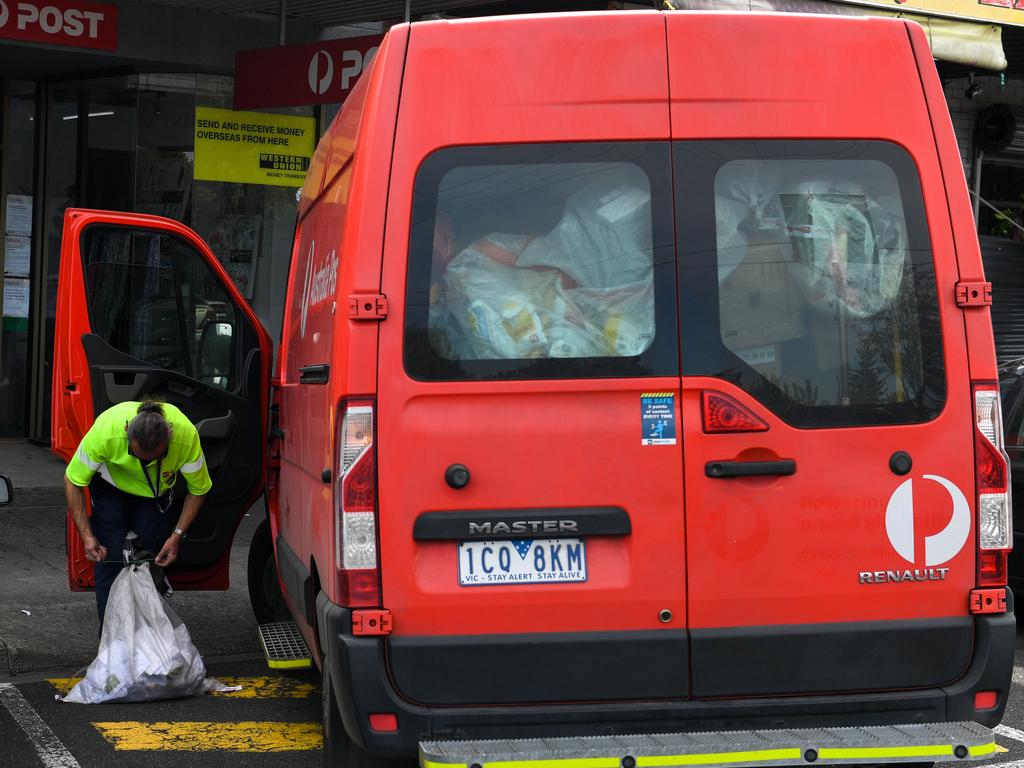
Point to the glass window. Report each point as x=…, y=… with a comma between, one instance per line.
x=807, y=279
x=16, y=252
x=153, y=297
x=542, y=261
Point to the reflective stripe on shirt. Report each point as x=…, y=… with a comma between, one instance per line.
x=84, y=458
x=194, y=466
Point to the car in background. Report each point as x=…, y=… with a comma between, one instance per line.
x=1011, y=395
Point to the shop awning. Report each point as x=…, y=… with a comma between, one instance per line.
x=971, y=43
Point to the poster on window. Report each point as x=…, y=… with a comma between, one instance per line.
x=235, y=241
x=17, y=255
x=15, y=297
x=19, y=214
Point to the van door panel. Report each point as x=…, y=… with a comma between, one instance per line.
x=844, y=377
x=204, y=352
x=565, y=437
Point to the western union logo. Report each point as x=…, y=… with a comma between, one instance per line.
x=284, y=162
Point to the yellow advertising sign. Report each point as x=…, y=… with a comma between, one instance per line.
x=994, y=11
x=253, y=147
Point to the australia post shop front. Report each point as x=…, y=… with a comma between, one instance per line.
x=179, y=109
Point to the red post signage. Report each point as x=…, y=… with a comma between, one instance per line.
x=60, y=22
x=297, y=75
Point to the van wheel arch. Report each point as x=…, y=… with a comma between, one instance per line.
x=265, y=596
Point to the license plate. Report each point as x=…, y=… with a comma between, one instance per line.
x=522, y=561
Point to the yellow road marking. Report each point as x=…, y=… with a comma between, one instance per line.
x=1001, y=748
x=252, y=687
x=63, y=684
x=268, y=687
x=211, y=737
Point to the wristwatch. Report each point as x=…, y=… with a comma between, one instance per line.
x=181, y=533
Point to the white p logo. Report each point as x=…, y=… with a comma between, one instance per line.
x=319, y=83
x=944, y=545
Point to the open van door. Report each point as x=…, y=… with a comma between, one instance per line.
x=145, y=310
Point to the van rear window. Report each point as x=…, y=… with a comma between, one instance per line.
x=542, y=261
x=807, y=278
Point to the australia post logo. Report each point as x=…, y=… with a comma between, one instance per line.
x=350, y=65
x=60, y=22
x=320, y=283
x=324, y=72
x=931, y=550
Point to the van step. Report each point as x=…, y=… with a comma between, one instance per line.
x=797, y=746
x=284, y=646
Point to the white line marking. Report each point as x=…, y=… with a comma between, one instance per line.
x=1012, y=764
x=1018, y=675
x=48, y=746
x=1008, y=732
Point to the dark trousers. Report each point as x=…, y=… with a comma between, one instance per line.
x=114, y=513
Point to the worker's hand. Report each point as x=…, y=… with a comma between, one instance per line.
x=169, y=552
x=94, y=550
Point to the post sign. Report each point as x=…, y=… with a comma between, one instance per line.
x=60, y=22
x=253, y=147
x=297, y=75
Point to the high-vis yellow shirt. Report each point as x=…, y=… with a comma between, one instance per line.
x=104, y=449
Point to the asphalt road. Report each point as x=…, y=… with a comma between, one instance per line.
x=47, y=635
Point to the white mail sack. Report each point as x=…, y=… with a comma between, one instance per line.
x=145, y=653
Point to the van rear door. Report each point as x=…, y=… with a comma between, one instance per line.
x=529, y=473
x=827, y=406
x=144, y=309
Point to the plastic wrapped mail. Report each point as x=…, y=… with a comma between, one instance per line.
x=584, y=289
x=849, y=251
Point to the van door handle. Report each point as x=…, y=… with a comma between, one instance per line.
x=750, y=468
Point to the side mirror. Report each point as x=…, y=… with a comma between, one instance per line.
x=6, y=491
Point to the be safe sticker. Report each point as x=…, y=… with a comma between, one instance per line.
x=658, y=418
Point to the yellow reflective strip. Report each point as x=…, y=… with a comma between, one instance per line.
x=984, y=749
x=209, y=737
x=935, y=750
x=568, y=762
x=720, y=757
x=290, y=664
x=432, y=764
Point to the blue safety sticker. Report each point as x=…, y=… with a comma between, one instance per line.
x=658, y=418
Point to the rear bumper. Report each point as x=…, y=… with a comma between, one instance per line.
x=363, y=682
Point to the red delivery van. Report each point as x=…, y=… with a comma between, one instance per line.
x=636, y=377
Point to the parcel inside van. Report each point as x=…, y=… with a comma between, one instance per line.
x=636, y=377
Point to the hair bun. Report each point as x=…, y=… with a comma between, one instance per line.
x=151, y=406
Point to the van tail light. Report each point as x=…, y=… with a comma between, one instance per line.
x=724, y=414
x=995, y=524
x=355, y=506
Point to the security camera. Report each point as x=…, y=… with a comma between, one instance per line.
x=973, y=91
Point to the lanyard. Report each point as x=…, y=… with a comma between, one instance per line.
x=149, y=482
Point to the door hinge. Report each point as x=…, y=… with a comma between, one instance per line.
x=371, y=622
x=974, y=294
x=368, y=306
x=988, y=600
